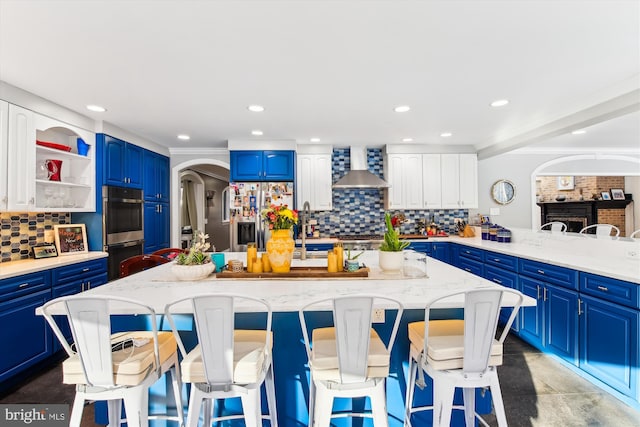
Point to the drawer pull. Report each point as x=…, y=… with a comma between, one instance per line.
x=538, y=293
x=496, y=259
x=604, y=289
x=84, y=270
x=540, y=271
x=580, y=307
x=544, y=296
x=467, y=269
x=467, y=252
x=498, y=281
x=23, y=285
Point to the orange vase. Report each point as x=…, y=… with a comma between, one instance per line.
x=280, y=249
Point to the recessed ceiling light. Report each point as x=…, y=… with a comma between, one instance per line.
x=96, y=108
x=578, y=132
x=446, y=134
x=255, y=108
x=407, y=139
x=315, y=140
x=402, y=109
x=184, y=137
x=256, y=132
x=500, y=103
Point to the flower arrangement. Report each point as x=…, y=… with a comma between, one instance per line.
x=392, y=242
x=196, y=254
x=280, y=217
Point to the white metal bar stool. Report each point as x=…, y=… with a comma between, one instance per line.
x=226, y=362
x=555, y=226
x=348, y=359
x=602, y=230
x=114, y=367
x=459, y=353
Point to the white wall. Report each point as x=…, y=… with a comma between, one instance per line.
x=518, y=168
x=632, y=186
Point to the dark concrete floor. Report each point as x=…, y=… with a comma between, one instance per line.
x=537, y=392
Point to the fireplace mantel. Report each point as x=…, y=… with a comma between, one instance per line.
x=598, y=204
x=577, y=214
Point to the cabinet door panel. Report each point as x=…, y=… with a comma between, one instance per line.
x=562, y=323
x=450, y=169
x=21, y=158
x=468, y=181
x=395, y=180
x=246, y=165
x=609, y=344
x=113, y=162
x=4, y=146
x=133, y=166
x=151, y=235
x=431, y=181
x=278, y=166
x=322, y=183
x=531, y=318
x=28, y=335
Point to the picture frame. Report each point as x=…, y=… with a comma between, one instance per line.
x=605, y=195
x=617, y=194
x=71, y=239
x=566, y=183
x=44, y=251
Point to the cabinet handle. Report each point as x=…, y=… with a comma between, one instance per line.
x=32, y=201
x=580, y=307
x=88, y=285
x=84, y=270
x=496, y=260
x=544, y=296
x=467, y=269
x=604, y=289
x=498, y=281
x=540, y=271
x=538, y=292
x=468, y=252
x=160, y=206
x=23, y=285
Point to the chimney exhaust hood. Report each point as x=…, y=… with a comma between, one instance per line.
x=359, y=176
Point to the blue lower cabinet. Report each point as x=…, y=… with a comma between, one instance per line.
x=561, y=322
x=26, y=337
x=319, y=247
x=440, y=251
x=507, y=279
x=532, y=318
x=471, y=266
x=424, y=247
x=609, y=344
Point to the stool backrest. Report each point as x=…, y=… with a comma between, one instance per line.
x=555, y=226
x=214, y=316
x=90, y=322
x=602, y=230
x=352, y=319
x=138, y=263
x=481, y=311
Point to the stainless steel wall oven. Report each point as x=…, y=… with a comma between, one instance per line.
x=123, y=228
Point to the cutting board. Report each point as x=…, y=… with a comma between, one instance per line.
x=297, y=272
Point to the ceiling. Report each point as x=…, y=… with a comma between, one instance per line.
x=335, y=70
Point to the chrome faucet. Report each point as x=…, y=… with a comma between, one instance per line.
x=304, y=219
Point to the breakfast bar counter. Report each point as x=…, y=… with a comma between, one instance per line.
x=157, y=287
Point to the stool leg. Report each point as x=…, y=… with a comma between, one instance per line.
x=271, y=397
x=442, y=402
x=322, y=408
x=469, y=395
x=114, y=409
x=251, y=407
x=411, y=384
x=195, y=405
x=379, y=405
x=133, y=402
x=177, y=390
x=76, y=411
x=498, y=405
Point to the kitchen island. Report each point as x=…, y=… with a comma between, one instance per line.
x=157, y=287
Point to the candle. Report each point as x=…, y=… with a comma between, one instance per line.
x=266, y=265
x=256, y=265
x=339, y=251
x=252, y=253
x=332, y=262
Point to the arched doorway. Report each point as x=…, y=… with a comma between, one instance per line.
x=212, y=177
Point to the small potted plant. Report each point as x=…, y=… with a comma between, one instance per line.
x=390, y=253
x=195, y=264
x=352, y=261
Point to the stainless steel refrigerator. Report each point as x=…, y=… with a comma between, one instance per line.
x=246, y=202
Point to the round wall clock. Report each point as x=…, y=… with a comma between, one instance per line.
x=503, y=191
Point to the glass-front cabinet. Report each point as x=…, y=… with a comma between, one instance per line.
x=50, y=164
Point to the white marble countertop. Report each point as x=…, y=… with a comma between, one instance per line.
x=158, y=286
x=26, y=266
x=606, y=257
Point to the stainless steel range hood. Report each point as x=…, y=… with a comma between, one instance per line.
x=359, y=176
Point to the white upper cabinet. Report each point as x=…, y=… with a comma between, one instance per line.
x=4, y=146
x=404, y=175
x=431, y=181
x=459, y=181
x=313, y=181
x=21, y=160
x=48, y=175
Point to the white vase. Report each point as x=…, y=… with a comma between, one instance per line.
x=192, y=272
x=390, y=261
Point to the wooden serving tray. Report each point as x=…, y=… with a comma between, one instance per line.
x=297, y=272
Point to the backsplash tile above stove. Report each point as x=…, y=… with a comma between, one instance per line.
x=19, y=231
x=361, y=211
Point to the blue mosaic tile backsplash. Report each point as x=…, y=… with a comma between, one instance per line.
x=361, y=211
x=19, y=231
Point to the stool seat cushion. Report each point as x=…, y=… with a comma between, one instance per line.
x=130, y=365
x=249, y=355
x=446, y=344
x=324, y=356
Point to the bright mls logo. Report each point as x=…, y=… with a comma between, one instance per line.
x=36, y=415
